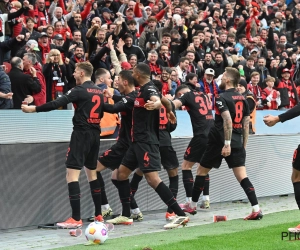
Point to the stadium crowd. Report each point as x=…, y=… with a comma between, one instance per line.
x=189, y=42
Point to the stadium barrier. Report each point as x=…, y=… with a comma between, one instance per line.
x=33, y=187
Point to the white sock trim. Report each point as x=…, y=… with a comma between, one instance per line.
x=255, y=208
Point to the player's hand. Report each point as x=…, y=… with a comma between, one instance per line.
x=27, y=109
x=171, y=117
x=150, y=105
x=29, y=99
x=226, y=150
x=8, y=95
x=107, y=93
x=169, y=97
x=270, y=120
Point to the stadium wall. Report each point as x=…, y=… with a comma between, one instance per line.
x=33, y=189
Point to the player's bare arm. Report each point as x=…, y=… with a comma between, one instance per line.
x=167, y=104
x=227, y=124
x=246, y=121
x=177, y=103
x=153, y=103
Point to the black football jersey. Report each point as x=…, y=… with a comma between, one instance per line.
x=87, y=101
x=238, y=108
x=198, y=106
x=145, y=123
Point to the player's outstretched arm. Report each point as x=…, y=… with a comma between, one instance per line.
x=153, y=103
x=246, y=121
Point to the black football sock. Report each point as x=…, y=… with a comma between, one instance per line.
x=134, y=185
x=249, y=190
x=74, y=196
x=206, y=185
x=173, y=186
x=166, y=195
x=104, y=200
x=188, y=182
x=115, y=182
x=198, y=187
x=297, y=192
x=124, y=193
x=96, y=195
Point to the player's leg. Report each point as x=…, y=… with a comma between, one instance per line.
x=296, y=183
x=205, y=204
x=170, y=163
x=124, y=187
x=211, y=158
x=136, y=213
x=236, y=161
x=167, y=197
x=173, y=186
x=187, y=175
x=74, y=221
x=74, y=163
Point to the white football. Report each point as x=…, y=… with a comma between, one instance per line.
x=96, y=232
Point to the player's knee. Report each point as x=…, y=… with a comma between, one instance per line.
x=153, y=180
x=173, y=172
x=202, y=171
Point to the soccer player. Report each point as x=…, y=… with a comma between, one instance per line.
x=270, y=121
x=198, y=106
x=169, y=161
x=85, y=139
x=113, y=156
x=144, y=150
x=225, y=141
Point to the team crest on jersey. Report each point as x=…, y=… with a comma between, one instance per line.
x=136, y=103
x=124, y=100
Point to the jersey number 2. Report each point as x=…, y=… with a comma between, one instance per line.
x=96, y=99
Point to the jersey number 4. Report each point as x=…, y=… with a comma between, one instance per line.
x=95, y=99
x=204, y=105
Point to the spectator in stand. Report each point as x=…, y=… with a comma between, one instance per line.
x=30, y=28
x=155, y=68
x=30, y=61
x=174, y=77
x=287, y=90
x=40, y=15
x=263, y=71
x=55, y=75
x=182, y=69
x=6, y=101
x=132, y=59
x=168, y=86
x=249, y=68
x=256, y=90
x=130, y=49
x=270, y=96
x=30, y=47
x=192, y=82
x=22, y=85
x=56, y=13
x=209, y=86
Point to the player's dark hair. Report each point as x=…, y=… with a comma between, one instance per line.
x=100, y=72
x=181, y=87
x=143, y=69
x=158, y=85
x=87, y=67
x=234, y=75
x=127, y=75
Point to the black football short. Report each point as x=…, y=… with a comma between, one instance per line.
x=169, y=158
x=296, y=159
x=83, y=149
x=212, y=157
x=195, y=149
x=112, y=157
x=144, y=156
